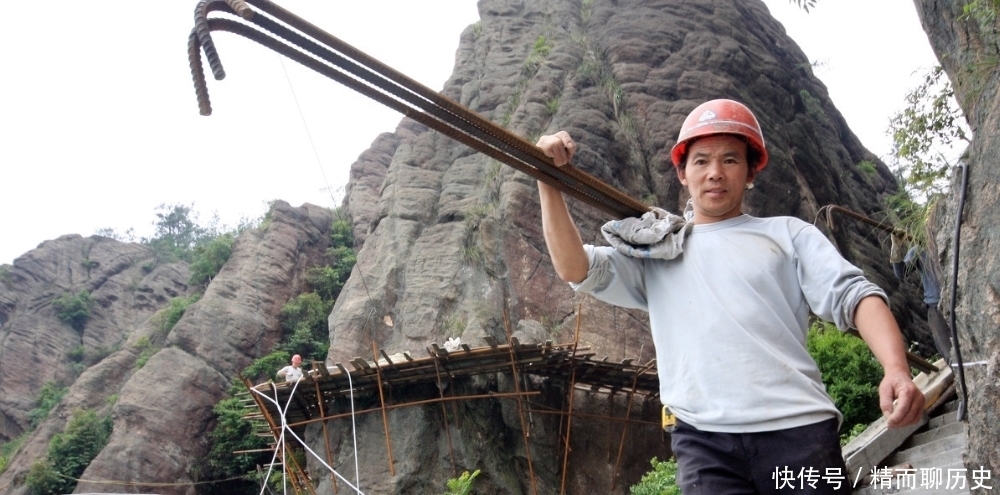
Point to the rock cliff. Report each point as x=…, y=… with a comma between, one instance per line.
x=452, y=240
x=449, y=245
x=162, y=409
x=968, y=47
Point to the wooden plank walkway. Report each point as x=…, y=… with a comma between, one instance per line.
x=325, y=387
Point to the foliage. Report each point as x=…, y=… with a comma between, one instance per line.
x=804, y=4
x=328, y=280
x=304, y=319
x=813, y=105
x=867, y=166
x=231, y=434
x=43, y=478
x=169, y=316
x=463, y=484
x=146, y=350
x=264, y=368
x=305, y=332
x=538, y=54
x=74, y=309
x=82, y=357
x=8, y=449
x=662, y=480
x=552, y=106
x=930, y=124
x=850, y=371
x=209, y=258
x=69, y=454
x=112, y=233
x=846, y=437
x=48, y=397
x=177, y=233
x=984, y=12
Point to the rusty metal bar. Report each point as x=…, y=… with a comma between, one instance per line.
x=595, y=416
x=449, y=118
x=517, y=389
x=326, y=434
x=217, y=24
x=390, y=407
x=572, y=394
x=385, y=417
x=628, y=413
x=457, y=115
x=275, y=430
x=444, y=414
x=826, y=210
x=611, y=413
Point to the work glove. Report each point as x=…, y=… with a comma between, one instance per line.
x=896, y=249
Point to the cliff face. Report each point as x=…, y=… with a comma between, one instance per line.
x=968, y=48
x=162, y=410
x=452, y=240
x=450, y=245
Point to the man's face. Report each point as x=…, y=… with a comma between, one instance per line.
x=296, y=360
x=716, y=174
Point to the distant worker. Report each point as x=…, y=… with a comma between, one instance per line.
x=729, y=299
x=294, y=371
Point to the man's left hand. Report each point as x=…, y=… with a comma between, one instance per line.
x=900, y=400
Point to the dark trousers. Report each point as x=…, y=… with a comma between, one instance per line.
x=799, y=460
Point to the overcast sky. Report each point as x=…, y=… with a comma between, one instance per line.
x=99, y=123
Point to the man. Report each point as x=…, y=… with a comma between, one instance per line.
x=729, y=317
x=294, y=372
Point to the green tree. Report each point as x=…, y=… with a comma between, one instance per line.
x=178, y=233
x=850, y=372
x=232, y=433
x=304, y=319
x=661, y=480
x=69, y=454
x=8, y=449
x=328, y=280
x=74, y=308
x=209, y=259
x=924, y=132
x=48, y=397
x=264, y=368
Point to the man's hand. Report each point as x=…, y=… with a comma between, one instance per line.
x=900, y=399
x=559, y=146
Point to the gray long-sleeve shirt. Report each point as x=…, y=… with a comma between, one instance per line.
x=729, y=319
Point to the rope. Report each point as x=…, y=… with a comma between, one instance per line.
x=305, y=126
x=285, y=427
x=144, y=483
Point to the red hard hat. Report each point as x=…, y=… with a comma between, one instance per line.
x=720, y=117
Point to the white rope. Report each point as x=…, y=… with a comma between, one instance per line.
x=285, y=427
x=974, y=363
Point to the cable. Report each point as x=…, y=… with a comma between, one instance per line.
x=964, y=403
x=305, y=125
x=285, y=427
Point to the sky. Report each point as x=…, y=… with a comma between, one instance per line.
x=99, y=124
